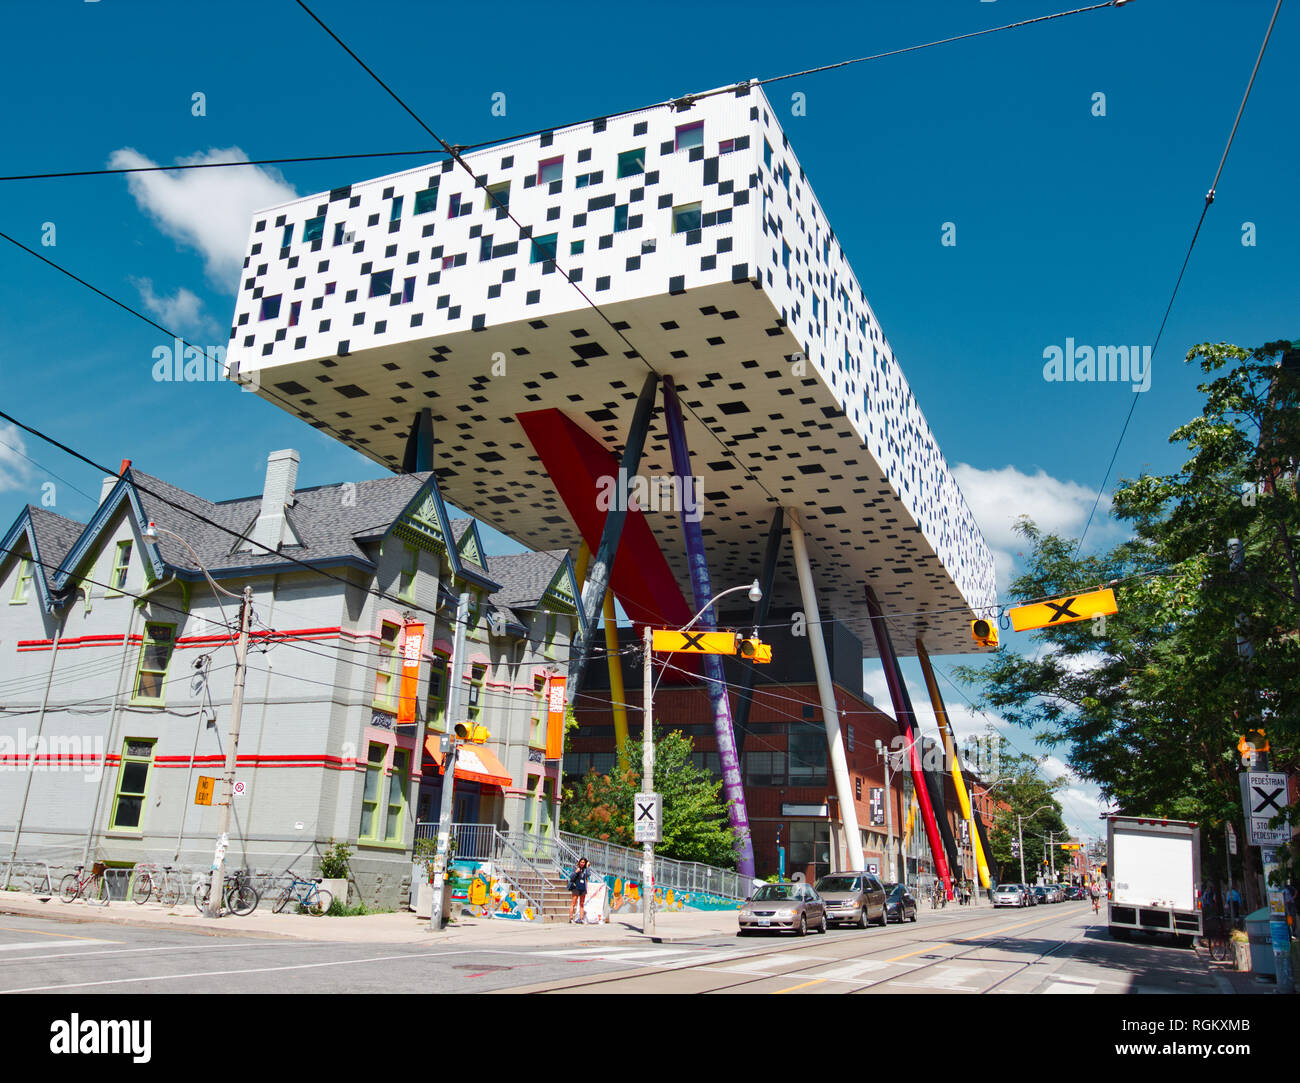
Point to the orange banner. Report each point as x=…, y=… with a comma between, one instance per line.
x=411, y=651
x=555, y=718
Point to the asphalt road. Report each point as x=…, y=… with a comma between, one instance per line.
x=1060, y=948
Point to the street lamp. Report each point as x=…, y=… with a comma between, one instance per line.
x=1020, y=834
x=648, y=749
x=217, y=886
x=887, y=757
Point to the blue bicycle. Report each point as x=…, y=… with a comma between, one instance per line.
x=308, y=894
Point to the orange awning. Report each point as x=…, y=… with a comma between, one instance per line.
x=474, y=763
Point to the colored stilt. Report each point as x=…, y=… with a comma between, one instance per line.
x=907, y=725
x=826, y=690
x=419, y=444
x=950, y=748
x=733, y=786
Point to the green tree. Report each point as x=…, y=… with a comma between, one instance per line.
x=695, y=826
x=1151, y=702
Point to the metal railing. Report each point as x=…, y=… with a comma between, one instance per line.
x=470, y=842
x=679, y=876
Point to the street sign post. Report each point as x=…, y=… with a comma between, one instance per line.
x=647, y=817
x=1097, y=603
x=1263, y=796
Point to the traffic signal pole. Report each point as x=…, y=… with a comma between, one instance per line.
x=450, y=747
x=648, y=784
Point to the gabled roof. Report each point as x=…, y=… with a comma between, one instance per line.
x=49, y=537
x=529, y=580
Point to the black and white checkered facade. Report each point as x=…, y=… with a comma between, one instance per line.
x=711, y=257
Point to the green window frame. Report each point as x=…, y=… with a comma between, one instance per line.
x=406, y=578
x=497, y=195
x=130, y=795
x=368, y=830
x=121, y=566
x=395, y=810
x=20, y=586
x=686, y=217
x=386, y=669
x=631, y=162
x=426, y=200
x=155, y=657
x=530, y=806
x=544, y=248
x=436, y=710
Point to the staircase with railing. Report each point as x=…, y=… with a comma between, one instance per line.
x=538, y=867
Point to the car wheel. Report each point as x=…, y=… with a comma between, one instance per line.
x=914, y=913
x=742, y=932
x=884, y=917
x=822, y=928
x=803, y=925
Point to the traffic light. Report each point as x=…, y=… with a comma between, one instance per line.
x=468, y=731
x=754, y=649
x=984, y=633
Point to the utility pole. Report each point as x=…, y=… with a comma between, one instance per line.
x=1020, y=835
x=450, y=747
x=647, y=784
x=217, y=886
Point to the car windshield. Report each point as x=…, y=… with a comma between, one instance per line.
x=839, y=883
x=1008, y=887
x=775, y=893
x=894, y=889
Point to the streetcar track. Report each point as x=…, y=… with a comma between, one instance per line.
x=652, y=971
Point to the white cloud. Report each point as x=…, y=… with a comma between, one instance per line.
x=182, y=312
x=15, y=471
x=997, y=498
x=206, y=209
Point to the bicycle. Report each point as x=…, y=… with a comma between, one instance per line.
x=239, y=897
x=1216, y=936
x=157, y=881
x=308, y=894
x=93, y=888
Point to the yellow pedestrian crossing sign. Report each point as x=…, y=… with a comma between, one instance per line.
x=1065, y=610
x=693, y=642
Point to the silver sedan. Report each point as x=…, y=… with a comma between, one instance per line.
x=791, y=907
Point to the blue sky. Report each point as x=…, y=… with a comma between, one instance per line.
x=1067, y=224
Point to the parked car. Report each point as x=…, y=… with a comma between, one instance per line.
x=900, y=904
x=853, y=898
x=784, y=907
x=1031, y=896
x=1009, y=895
x=1074, y=892
x=1042, y=893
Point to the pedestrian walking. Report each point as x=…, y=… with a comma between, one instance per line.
x=578, y=890
x=1234, y=906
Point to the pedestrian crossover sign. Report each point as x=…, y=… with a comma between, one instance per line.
x=646, y=817
x=1263, y=796
x=666, y=639
x=1097, y=603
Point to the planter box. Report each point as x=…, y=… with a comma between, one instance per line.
x=424, y=900
x=337, y=888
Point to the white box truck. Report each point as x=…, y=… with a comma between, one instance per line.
x=1154, y=867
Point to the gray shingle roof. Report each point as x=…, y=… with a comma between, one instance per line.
x=524, y=577
x=328, y=520
x=55, y=535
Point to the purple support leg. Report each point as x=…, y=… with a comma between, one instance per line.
x=733, y=787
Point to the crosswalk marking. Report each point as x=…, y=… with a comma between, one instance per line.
x=773, y=963
x=852, y=972
x=27, y=945
x=1072, y=985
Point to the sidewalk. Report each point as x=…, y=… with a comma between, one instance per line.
x=402, y=927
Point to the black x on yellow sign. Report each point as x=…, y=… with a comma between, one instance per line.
x=1096, y=603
